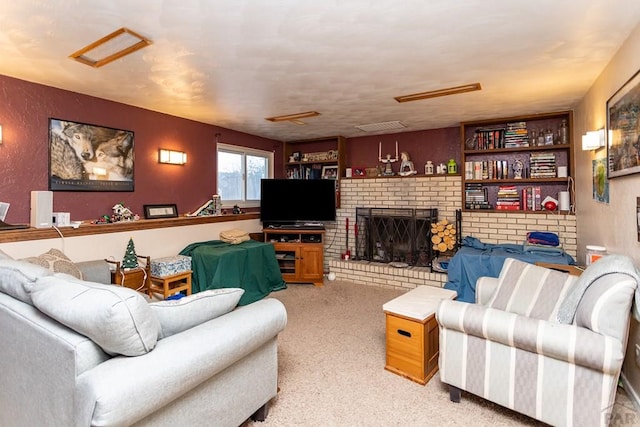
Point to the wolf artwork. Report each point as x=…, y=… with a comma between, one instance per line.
x=82, y=152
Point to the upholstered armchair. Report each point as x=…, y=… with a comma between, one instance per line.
x=542, y=342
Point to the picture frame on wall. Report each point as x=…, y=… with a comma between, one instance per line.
x=600, y=184
x=86, y=157
x=623, y=129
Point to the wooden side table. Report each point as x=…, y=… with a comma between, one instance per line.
x=170, y=285
x=412, y=332
x=137, y=279
x=574, y=270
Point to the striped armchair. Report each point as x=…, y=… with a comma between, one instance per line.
x=511, y=349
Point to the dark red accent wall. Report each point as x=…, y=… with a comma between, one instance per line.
x=25, y=109
x=437, y=145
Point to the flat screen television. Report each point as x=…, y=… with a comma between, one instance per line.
x=297, y=202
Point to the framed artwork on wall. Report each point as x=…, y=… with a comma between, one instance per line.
x=160, y=211
x=600, y=181
x=84, y=157
x=623, y=129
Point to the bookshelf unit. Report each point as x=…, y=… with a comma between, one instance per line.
x=491, y=149
x=315, y=158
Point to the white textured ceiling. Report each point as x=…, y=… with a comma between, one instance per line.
x=233, y=63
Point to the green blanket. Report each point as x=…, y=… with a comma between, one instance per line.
x=250, y=265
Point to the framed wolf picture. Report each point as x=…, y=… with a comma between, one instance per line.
x=84, y=157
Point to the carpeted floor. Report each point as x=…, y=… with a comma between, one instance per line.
x=331, y=369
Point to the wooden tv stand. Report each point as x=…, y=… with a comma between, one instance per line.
x=300, y=253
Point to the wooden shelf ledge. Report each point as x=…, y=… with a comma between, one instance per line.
x=87, y=228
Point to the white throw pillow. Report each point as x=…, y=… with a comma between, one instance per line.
x=184, y=313
x=18, y=277
x=118, y=319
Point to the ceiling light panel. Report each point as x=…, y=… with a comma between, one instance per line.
x=293, y=117
x=439, y=92
x=373, y=127
x=120, y=43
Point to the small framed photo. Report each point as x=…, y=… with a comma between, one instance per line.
x=359, y=172
x=160, y=211
x=330, y=172
x=296, y=156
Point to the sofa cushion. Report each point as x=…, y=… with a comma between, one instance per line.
x=18, y=277
x=530, y=290
x=178, y=315
x=118, y=319
x=56, y=261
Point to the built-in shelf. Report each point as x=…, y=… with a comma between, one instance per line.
x=87, y=228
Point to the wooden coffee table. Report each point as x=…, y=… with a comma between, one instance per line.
x=412, y=332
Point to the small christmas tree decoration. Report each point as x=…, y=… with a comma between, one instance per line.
x=130, y=259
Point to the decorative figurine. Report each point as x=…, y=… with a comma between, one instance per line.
x=122, y=213
x=388, y=170
x=406, y=167
x=518, y=166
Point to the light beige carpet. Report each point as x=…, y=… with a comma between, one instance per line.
x=331, y=369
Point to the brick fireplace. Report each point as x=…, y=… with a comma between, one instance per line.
x=398, y=235
x=440, y=192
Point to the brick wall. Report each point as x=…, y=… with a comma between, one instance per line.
x=422, y=192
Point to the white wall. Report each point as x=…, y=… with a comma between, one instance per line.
x=613, y=225
x=156, y=243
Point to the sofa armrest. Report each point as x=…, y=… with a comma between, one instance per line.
x=118, y=391
x=568, y=343
x=485, y=289
x=95, y=271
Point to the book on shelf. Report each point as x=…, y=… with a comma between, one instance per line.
x=516, y=135
x=490, y=138
x=508, y=198
x=478, y=205
x=531, y=198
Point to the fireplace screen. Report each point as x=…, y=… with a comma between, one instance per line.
x=395, y=235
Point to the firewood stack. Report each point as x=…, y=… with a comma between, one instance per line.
x=443, y=236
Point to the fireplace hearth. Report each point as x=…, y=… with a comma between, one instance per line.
x=390, y=235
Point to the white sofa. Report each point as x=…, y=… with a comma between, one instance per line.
x=217, y=372
x=542, y=342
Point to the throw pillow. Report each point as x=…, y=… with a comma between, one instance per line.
x=118, y=319
x=18, y=277
x=57, y=262
x=179, y=315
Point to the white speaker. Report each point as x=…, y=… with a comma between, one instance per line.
x=41, y=209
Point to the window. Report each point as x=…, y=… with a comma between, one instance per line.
x=240, y=170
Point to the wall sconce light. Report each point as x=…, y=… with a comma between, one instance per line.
x=593, y=140
x=0, y=134
x=172, y=157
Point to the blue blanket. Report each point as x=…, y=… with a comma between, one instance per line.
x=476, y=259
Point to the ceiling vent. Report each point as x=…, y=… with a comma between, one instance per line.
x=373, y=127
x=120, y=43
